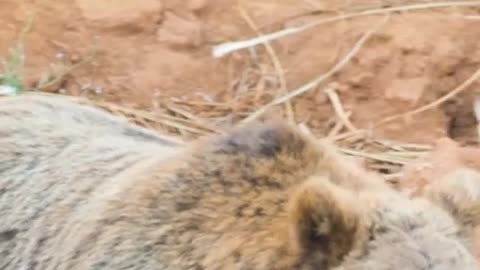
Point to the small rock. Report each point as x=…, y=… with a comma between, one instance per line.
x=410, y=90
x=196, y=5
x=124, y=15
x=75, y=58
x=361, y=79
x=180, y=31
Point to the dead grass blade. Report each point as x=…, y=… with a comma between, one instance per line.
x=312, y=84
x=376, y=156
x=275, y=62
x=229, y=47
x=190, y=118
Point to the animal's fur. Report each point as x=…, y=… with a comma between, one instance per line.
x=80, y=190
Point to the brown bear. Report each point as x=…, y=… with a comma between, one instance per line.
x=80, y=189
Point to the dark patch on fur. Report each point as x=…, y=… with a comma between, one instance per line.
x=428, y=259
x=218, y=175
x=32, y=164
x=184, y=206
x=46, y=105
x=449, y=205
x=237, y=256
x=263, y=181
x=240, y=209
x=381, y=230
x=271, y=141
x=259, y=212
x=266, y=141
x=317, y=240
x=8, y=235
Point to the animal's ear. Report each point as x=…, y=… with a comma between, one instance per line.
x=458, y=193
x=325, y=219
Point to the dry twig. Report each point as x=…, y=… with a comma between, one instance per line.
x=374, y=156
x=227, y=48
x=312, y=84
x=339, y=125
x=338, y=108
x=275, y=62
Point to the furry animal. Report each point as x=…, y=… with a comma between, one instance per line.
x=82, y=190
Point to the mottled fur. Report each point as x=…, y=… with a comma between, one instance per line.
x=81, y=190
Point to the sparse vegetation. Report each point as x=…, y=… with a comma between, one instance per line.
x=11, y=75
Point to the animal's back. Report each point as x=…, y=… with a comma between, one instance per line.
x=80, y=190
x=55, y=157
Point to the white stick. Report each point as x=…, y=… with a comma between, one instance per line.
x=229, y=47
x=312, y=84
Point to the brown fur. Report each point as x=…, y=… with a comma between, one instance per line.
x=82, y=193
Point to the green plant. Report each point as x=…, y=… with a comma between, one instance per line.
x=12, y=68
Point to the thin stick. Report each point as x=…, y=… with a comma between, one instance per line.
x=26, y=30
x=201, y=103
x=373, y=156
x=311, y=85
x=393, y=177
x=402, y=145
x=347, y=135
x=337, y=106
x=468, y=17
x=435, y=103
x=275, y=62
x=229, y=47
x=304, y=128
x=339, y=125
x=193, y=119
